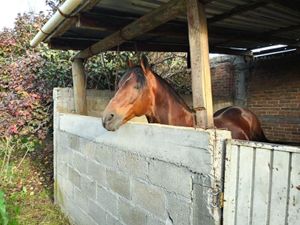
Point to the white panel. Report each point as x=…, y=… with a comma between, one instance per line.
x=279, y=188
x=294, y=197
x=261, y=187
x=231, y=175
x=231, y=169
x=244, y=185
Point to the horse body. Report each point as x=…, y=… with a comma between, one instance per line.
x=142, y=92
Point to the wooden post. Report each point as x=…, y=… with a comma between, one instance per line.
x=201, y=80
x=79, y=86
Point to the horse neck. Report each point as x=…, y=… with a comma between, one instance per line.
x=167, y=107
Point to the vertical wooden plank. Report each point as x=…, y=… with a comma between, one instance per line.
x=230, y=183
x=261, y=187
x=279, y=188
x=79, y=86
x=294, y=196
x=244, y=202
x=201, y=79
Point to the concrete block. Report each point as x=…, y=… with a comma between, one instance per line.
x=174, y=179
x=154, y=221
x=105, y=155
x=131, y=215
x=201, y=208
x=107, y=200
x=179, y=210
x=64, y=186
x=110, y=220
x=73, y=142
x=132, y=164
x=62, y=168
x=88, y=186
x=97, y=172
x=80, y=198
x=79, y=162
x=88, y=149
x=96, y=212
x=150, y=198
x=119, y=183
x=74, y=176
x=80, y=217
x=63, y=152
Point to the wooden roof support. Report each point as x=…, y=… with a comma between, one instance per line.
x=142, y=25
x=79, y=86
x=201, y=79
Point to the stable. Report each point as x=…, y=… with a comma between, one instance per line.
x=156, y=174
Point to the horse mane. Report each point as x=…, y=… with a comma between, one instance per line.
x=171, y=90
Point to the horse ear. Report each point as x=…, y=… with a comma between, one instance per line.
x=130, y=64
x=145, y=64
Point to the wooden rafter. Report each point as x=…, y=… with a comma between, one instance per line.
x=142, y=25
x=236, y=11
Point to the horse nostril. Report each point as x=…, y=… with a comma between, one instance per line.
x=110, y=117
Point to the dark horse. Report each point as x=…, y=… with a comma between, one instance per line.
x=142, y=92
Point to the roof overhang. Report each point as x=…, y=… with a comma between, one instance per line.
x=235, y=26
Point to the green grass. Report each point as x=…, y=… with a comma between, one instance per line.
x=26, y=190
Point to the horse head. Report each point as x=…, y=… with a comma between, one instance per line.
x=133, y=96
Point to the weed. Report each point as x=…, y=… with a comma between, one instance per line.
x=3, y=212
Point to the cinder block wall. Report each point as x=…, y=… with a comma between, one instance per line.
x=139, y=175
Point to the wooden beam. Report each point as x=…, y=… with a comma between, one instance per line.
x=79, y=86
x=290, y=4
x=201, y=79
x=144, y=24
x=235, y=11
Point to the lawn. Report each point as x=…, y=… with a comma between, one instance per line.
x=26, y=187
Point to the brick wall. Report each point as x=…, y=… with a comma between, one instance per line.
x=222, y=80
x=274, y=95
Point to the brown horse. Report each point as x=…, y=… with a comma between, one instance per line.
x=142, y=92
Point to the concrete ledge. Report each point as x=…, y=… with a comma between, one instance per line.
x=183, y=146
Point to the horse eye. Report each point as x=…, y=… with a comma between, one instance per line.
x=137, y=87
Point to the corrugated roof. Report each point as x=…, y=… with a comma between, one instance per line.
x=232, y=24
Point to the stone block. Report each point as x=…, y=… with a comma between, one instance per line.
x=64, y=186
x=74, y=177
x=80, y=199
x=131, y=215
x=154, y=221
x=201, y=209
x=119, y=183
x=132, y=164
x=174, y=179
x=88, y=186
x=62, y=168
x=179, y=210
x=96, y=212
x=110, y=220
x=97, y=172
x=79, y=162
x=107, y=200
x=105, y=155
x=73, y=142
x=150, y=198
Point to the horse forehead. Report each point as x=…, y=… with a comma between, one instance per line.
x=126, y=78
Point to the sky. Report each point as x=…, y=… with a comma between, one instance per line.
x=10, y=9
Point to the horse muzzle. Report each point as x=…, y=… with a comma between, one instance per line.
x=111, y=121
